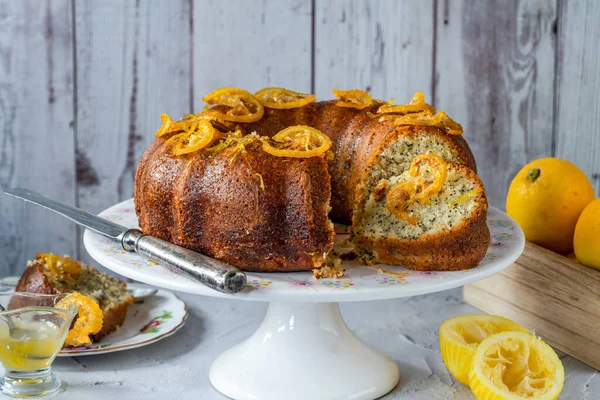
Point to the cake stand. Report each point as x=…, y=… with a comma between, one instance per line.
x=303, y=349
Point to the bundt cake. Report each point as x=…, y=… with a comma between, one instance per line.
x=53, y=274
x=255, y=181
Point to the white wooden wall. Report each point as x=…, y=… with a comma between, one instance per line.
x=82, y=83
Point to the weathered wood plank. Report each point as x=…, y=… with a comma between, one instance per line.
x=36, y=142
x=251, y=45
x=384, y=47
x=133, y=63
x=494, y=75
x=578, y=80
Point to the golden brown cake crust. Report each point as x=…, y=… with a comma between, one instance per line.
x=258, y=212
x=461, y=248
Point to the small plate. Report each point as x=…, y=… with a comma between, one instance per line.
x=148, y=321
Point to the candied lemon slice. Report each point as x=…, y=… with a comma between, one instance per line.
x=274, y=97
x=298, y=141
x=515, y=366
x=416, y=187
x=241, y=106
x=460, y=336
x=354, y=98
x=440, y=120
x=199, y=135
x=417, y=104
x=89, y=318
x=170, y=126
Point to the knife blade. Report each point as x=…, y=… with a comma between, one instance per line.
x=208, y=271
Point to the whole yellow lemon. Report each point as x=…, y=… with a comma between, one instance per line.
x=546, y=198
x=587, y=236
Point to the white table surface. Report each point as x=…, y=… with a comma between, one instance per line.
x=177, y=367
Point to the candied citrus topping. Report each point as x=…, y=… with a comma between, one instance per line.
x=416, y=187
x=515, y=365
x=60, y=268
x=89, y=318
x=440, y=120
x=273, y=97
x=240, y=105
x=170, y=126
x=354, y=98
x=235, y=144
x=460, y=336
x=417, y=112
x=298, y=141
x=417, y=104
x=195, y=137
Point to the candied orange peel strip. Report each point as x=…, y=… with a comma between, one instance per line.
x=197, y=136
x=354, y=98
x=298, y=141
x=416, y=188
x=235, y=105
x=89, y=318
x=280, y=98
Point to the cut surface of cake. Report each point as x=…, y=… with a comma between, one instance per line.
x=54, y=274
x=432, y=219
x=228, y=182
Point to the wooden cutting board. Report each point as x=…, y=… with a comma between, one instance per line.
x=550, y=294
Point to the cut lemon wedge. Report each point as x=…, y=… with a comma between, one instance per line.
x=89, y=318
x=354, y=98
x=281, y=98
x=240, y=105
x=298, y=141
x=460, y=336
x=515, y=366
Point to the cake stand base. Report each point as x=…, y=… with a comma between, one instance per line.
x=303, y=351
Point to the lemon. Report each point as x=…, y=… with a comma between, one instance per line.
x=515, y=366
x=546, y=198
x=459, y=337
x=587, y=236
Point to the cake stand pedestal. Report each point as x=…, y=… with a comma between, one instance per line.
x=303, y=349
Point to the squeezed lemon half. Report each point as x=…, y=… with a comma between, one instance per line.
x=460, y=336
x=515, y=366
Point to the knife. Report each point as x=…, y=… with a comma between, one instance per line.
x=212, y=273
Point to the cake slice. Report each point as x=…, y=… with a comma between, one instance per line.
x=53, y=274
x=430, y=217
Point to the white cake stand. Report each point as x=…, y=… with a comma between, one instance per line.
x=303, y=349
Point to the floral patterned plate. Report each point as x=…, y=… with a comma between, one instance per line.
x=148, y=321
x=359, y=282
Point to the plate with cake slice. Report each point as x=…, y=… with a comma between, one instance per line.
x=127, y=321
